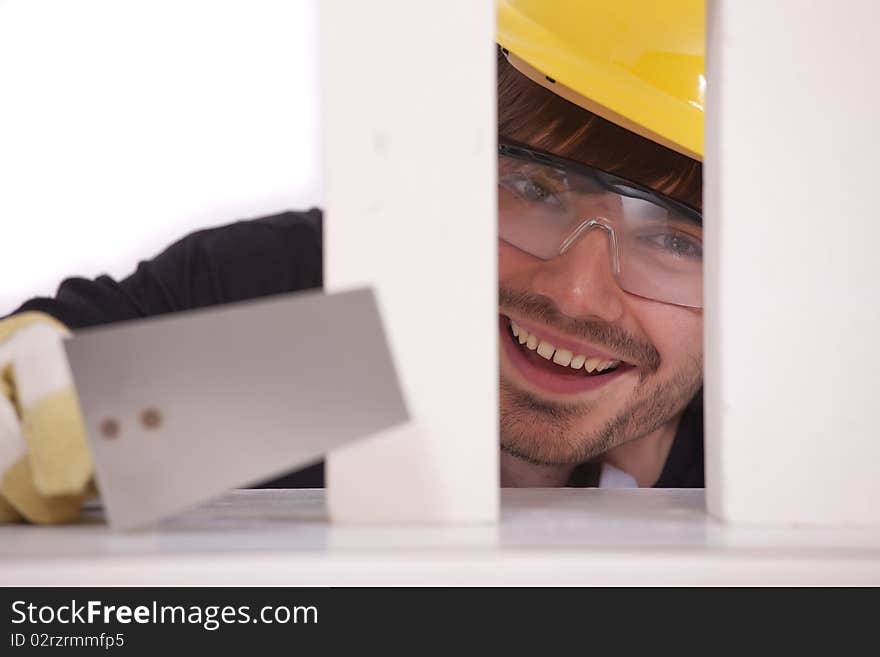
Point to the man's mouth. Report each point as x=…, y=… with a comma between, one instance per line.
x=554, y=365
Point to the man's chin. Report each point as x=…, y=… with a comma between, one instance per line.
x=540, y=460
x=546, y=432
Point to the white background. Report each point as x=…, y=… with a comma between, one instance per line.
x=125, y=125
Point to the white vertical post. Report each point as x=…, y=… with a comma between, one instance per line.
x=793, y=245
x=409, y=169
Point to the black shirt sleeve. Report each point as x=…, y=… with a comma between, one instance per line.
x=243, y=260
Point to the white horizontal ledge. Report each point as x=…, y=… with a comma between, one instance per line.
x=552, y=537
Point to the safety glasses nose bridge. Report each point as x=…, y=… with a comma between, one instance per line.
x=583, y=228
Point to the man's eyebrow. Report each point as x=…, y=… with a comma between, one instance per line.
x=548, y=172
x=690, y=220
x=548, y=175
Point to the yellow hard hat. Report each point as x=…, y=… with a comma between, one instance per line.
x=638, y=64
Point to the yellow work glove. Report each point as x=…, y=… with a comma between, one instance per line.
x=45, y=467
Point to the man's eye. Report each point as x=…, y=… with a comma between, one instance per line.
x=677, y=244
x=531, y=190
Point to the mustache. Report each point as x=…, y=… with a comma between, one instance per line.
x=542, y=309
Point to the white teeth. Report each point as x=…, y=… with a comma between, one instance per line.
x=562, y=357
x=545, y=349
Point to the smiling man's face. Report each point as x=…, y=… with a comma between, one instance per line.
x=554, y=414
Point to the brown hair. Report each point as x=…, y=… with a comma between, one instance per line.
x=529, y=113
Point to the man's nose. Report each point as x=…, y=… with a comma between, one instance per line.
x=581, y=281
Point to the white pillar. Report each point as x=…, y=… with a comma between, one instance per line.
x=792, y=252
x=409, y=164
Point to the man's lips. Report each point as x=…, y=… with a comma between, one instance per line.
x=562, y=342
x=557, y=377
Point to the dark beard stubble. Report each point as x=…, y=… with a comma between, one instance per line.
x=546, y=433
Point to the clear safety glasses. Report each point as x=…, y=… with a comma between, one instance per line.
x=546, y=204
